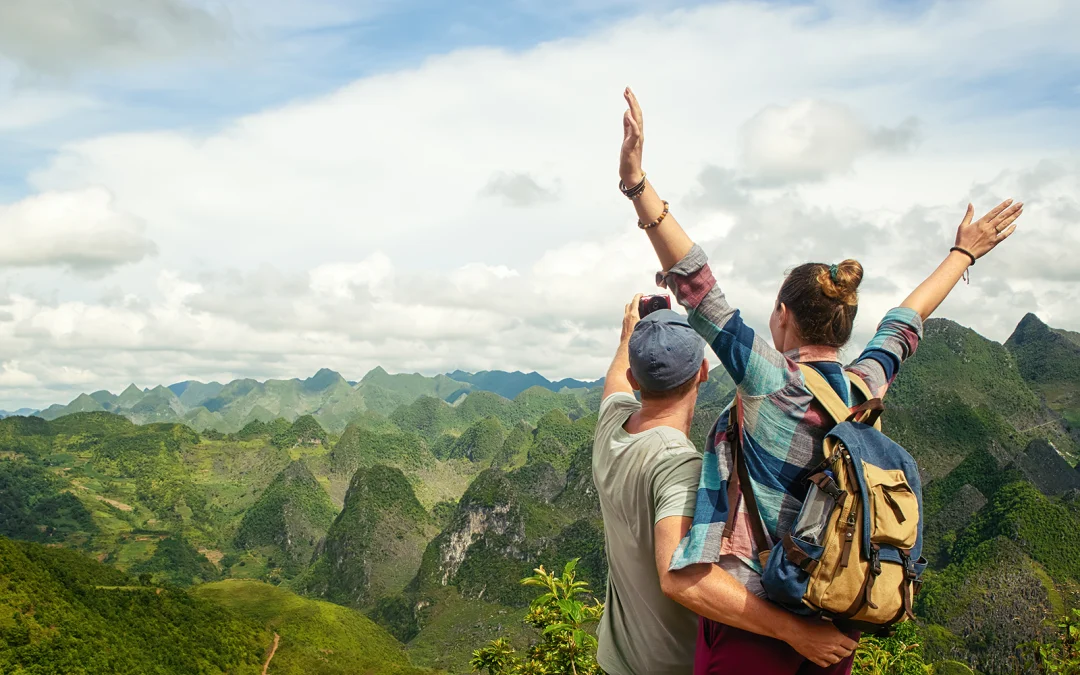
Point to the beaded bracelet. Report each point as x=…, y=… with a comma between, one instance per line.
x=656, y=222
x=633, y=192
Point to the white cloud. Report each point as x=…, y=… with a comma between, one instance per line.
x=26, y=108
x=358, y=228
x=79, y=229
x=57, y=37
x=811, y=139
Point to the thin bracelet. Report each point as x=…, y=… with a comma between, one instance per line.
x=656, y=222
x=965, y=252
x=634, y=192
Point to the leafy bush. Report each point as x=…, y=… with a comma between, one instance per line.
x=563, y=615
x=1060, y=656
x=900, y=654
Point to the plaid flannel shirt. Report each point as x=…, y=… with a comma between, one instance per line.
x=784, y=426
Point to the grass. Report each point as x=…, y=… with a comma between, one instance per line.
x=317, y=638
x=453, y=627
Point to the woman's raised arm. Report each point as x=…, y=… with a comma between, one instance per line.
x=973, y=241
x=753, y=363
x=668, y=238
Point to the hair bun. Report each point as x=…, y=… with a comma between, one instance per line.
x=841, y=282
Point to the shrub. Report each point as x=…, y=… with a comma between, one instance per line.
x=562, y=615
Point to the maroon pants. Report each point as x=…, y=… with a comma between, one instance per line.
x=723, y=650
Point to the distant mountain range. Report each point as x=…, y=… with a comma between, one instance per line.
x=21, y=411
x=329, y=397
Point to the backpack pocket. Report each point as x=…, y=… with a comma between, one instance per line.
x=894, y=508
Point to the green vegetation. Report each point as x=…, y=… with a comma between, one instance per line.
x=359, y=446
x=480, y=442
x=961, y=393
x=563, y=616
x=61, y=612
x=1049, y=361
x=1059, y=655
x=291, y=516
x=304, y=431
x=317, y=638
x=176, y=561
x=452, y=494
x=374, y=546
x=34, y=507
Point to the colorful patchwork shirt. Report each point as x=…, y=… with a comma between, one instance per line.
x=784, y=425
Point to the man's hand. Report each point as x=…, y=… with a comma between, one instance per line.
x=616, y=381
x=980, y=237
x=633, y=137
x=631, y=316
x=821, y=642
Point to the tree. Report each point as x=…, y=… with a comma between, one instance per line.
x=562, y=615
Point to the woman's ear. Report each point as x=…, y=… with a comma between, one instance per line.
x=783, y=316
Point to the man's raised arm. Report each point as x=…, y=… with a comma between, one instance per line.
x=711, y=592
x=616, y=380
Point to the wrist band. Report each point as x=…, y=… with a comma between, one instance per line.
x=965, y=252
x=966, y=275
x=656, y=222
x=635, y=191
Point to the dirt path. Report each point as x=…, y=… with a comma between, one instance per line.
x=273, y=650
x=113, y=503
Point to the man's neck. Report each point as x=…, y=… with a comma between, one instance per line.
x=677, y=414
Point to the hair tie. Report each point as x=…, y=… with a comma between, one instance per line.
x=833, y=271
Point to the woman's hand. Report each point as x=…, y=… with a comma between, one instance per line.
x=633, y=136
x=980, y=237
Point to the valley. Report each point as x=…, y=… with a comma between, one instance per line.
x=384, y=525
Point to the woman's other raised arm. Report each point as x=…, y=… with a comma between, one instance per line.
x=973, y=241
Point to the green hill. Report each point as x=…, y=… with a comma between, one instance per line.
x=1014, y=568
x=61, y=612
x=304, y=431
x=479, y=443
x=291, y=516
x=176, y=561
x=35, y=507
x=359, y=446
x=961, y=393
x=1049, y=360
x=317, y=638
x=374, y=545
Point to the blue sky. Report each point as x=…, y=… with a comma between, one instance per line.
x=210, y=189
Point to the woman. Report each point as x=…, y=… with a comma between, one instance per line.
x=811, y=320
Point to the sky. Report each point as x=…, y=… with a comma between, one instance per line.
x=211, y=189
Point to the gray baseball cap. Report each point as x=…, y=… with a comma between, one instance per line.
x=665, y=351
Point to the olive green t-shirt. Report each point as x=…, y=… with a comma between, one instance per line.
x=641, y=479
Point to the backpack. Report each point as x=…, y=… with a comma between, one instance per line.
x=854, y=554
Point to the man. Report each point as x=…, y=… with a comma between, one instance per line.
x=646, y=474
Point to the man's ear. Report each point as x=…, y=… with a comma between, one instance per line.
x=703, y=374
x=633, y=382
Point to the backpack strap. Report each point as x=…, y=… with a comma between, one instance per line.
x=868, y=413
x=825, y=394
x=739, y=483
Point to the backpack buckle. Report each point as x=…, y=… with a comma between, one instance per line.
x=875, y=560
x=909, y=566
